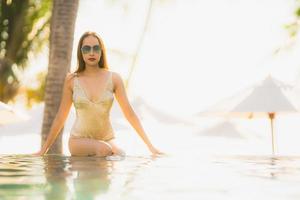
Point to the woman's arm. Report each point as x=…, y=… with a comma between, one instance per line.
x=129, y=113
x=61, y=115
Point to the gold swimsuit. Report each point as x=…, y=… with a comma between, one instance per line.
x=92, y=118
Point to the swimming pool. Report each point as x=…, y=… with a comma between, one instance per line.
x=146, y=177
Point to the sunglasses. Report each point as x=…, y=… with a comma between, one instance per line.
x=87, y=49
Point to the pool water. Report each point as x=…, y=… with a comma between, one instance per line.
x=145, y=177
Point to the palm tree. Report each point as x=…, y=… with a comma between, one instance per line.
x=140, y=42
x=62, y=26
x=24, y=27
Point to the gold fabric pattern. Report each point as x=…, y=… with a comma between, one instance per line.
x=92, y=118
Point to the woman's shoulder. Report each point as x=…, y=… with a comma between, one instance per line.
x=115, y=75
x=117, y=80
x=70, y=76
x=70, y=79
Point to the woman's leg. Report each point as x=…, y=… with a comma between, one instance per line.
x=89, y=147
x=115, y=149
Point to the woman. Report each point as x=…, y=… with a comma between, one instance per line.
x=92, y=88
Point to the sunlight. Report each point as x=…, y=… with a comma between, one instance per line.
x=194, y=53
x=182, y=65
x=196, y=63
x=188, y=66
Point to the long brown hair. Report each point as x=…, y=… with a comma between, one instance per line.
x=80, y=62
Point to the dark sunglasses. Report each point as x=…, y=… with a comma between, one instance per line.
x=87, y=49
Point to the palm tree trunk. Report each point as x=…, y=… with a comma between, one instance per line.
x=61, y=43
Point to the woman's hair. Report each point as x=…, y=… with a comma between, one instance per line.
x=80, y=62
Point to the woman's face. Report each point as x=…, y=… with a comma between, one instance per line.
x=91, y=50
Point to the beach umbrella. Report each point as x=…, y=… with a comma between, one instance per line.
x=10, y=115
x=226, y=129
x=265, y=99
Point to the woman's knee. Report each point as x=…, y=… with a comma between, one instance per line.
x=103, y=149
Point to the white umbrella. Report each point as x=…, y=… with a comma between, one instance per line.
x=266, y=99
x=226, y=129
x=10, y=115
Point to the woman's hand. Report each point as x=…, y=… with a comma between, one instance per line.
x=39, y=153
x=155, y=152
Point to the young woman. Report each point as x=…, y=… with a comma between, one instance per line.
x=92, y=88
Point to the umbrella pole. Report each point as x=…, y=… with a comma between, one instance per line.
x=272, y=116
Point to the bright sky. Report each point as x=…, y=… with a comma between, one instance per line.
x=195, y=52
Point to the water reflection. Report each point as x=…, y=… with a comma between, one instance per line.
x=267, y=167
x=56, y=175
x=21, y=177
x=172, y=177
x=139, y=166
x=76, y=177
x=91, y=176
